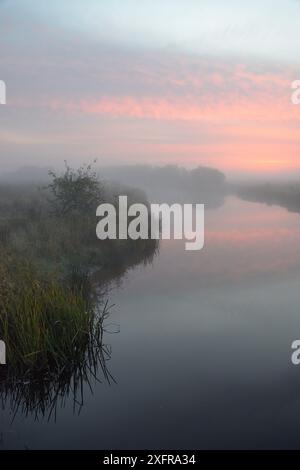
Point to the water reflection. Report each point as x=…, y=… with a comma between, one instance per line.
x=44, y=394
x=203, y=356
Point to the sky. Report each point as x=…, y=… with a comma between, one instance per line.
x=187, y=82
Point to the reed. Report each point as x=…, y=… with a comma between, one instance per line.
x=47, y=325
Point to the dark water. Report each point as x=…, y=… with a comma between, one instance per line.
x=202, y=359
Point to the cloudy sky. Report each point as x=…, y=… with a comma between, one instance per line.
x=151, y=81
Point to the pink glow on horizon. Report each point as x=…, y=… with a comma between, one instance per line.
x=250, y=123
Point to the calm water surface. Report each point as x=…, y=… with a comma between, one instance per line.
x=202, y=359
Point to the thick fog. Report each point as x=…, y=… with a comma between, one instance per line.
x=160, y=183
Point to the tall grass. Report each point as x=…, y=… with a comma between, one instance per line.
x=49, y=324
x=49, y=318
x=53, y=332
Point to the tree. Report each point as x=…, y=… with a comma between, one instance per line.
x=75, y=190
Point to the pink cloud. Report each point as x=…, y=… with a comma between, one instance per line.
x=243, y=115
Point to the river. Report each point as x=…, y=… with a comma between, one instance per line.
x=203, y=356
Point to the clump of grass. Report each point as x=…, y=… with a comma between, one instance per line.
x=47, y=325
x=54, y=339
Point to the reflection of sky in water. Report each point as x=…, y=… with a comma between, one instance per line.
x=203, y=356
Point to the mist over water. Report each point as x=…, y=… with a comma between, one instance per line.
x=113, y=334
x=202, y=359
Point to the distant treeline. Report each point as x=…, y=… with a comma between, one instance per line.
x=286, y=195
x=172, y=183
x=169, y=183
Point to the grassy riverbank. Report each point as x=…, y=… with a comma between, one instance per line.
x=49, y=251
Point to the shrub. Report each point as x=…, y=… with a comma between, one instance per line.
x=75, y=190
